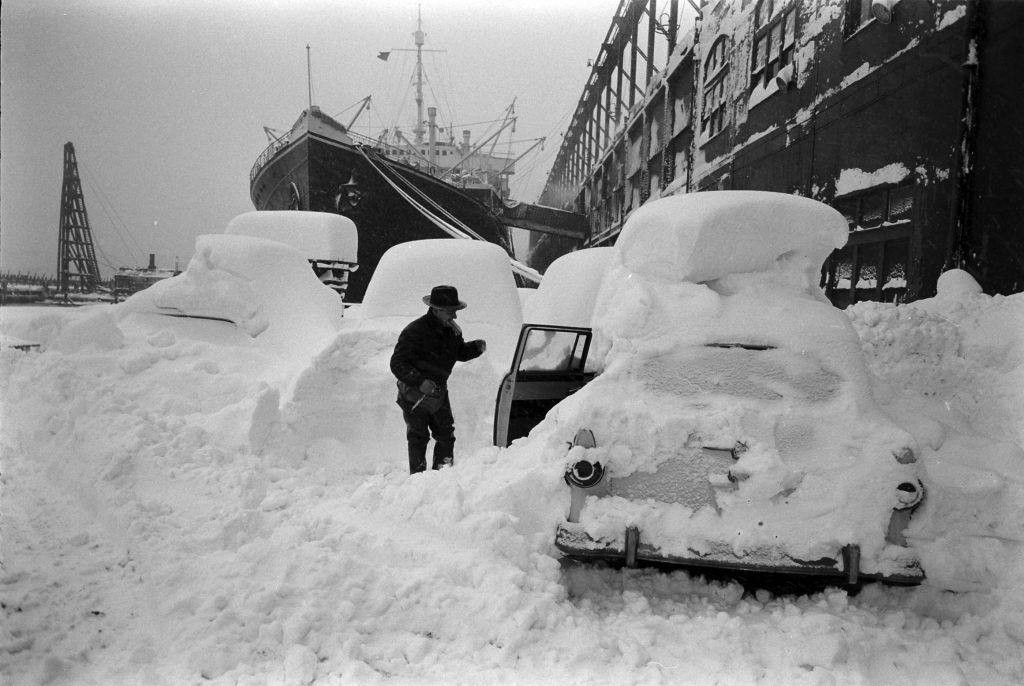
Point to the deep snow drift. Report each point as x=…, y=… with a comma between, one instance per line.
x=195, y=501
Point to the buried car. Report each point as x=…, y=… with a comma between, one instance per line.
x=718, y=409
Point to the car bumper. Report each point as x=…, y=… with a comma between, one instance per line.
x=574, y=542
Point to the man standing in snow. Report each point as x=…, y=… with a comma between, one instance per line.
x=424, y=356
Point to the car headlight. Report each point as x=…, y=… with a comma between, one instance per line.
x=909, y=494
x=584, y=474
x=905, y=455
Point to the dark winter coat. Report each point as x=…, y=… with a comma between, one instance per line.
x=428, y=349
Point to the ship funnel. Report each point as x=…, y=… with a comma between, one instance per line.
x=152, y=261
x=465, y=142
x=432, y=131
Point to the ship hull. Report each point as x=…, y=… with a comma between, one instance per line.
x=318, y=174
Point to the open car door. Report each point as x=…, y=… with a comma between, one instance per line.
x=549, y=364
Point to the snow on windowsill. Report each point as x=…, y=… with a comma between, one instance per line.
x=853, y=180
x=705, y=138
x=761, y=93
x=883, y=225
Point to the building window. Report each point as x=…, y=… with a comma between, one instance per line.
x=716, y=67
x=774, y=40
x=858, y=12
x=873, y=264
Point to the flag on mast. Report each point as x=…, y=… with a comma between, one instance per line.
x=383, y=56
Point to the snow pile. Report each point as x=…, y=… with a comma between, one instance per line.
x=317, y=235
x=251, y=282
x=174, y=513
x=99, y=331
x=952, y=371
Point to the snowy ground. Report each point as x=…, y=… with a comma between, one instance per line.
x=178, y=507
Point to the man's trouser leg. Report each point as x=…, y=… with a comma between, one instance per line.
x=417, y=434
x=442, y=426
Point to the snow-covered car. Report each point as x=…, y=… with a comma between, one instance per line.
x=350, y=379
x=718, y=410
x=330, y=242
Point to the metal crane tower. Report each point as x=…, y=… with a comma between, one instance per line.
x=77, y=256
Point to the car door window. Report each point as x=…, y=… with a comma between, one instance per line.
x=549, y=350
x=549, y=364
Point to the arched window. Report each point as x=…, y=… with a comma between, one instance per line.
x=774, y=40
x=716, y=67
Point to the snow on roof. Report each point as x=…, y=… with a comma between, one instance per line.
x=479, y=270
x=704, y=236
x=566, y=295
x=317, y=235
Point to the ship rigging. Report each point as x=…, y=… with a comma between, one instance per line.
x=396, y=189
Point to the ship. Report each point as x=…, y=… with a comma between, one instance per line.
x=394, y=187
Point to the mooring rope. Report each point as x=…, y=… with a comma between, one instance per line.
x=434, y=219
x=465, y=232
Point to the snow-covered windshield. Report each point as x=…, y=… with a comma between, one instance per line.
x=742, y=372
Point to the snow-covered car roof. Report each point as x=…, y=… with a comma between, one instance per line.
x=703, y=236
x=317, y=235
x=566, y=295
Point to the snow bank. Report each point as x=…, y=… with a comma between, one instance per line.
x=699, y=237
x=317, y=235
x=951, y=370
x=98, y=331
x=153, y=535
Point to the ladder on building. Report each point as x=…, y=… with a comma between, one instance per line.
x=77, y=255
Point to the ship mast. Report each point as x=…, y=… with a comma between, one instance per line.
x=418, y=35
x=419, y=130
x=309, y=78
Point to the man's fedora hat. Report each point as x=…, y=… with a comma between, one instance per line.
x=444, y=298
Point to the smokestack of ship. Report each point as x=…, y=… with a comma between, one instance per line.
x=432, y=139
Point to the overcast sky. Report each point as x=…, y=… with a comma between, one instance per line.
x=166, y=100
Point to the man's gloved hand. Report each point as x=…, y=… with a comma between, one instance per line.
x=428, y=387
x=481, y=345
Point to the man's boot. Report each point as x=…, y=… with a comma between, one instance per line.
x=417, y=459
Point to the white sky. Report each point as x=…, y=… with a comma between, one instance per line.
x=165, y=102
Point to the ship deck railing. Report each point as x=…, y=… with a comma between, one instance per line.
x=391, y=151
x=267, y=154
x=373, y=144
